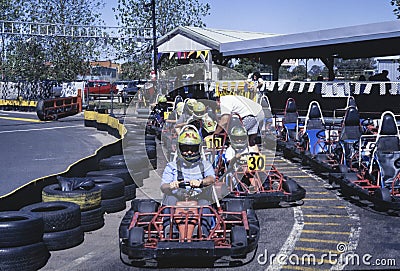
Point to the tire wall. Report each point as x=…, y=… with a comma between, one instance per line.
x=32, y=191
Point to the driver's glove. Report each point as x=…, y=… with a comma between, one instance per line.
x=174, y=185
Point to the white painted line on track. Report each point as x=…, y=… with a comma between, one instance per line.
x=288, y=247
x=40, y=129
x=78, y=261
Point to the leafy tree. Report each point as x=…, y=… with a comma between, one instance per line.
x=396, y=11
x=169, y=15
x=65, y=57
x=246, y=66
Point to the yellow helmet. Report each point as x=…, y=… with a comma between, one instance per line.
x=189, y=105
x=189, y=142
x=238, y=138
x=162, y=99
x=179, y=108
x=199, y=109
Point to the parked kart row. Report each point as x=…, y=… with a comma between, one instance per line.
x=360, y=155
x=241, y=184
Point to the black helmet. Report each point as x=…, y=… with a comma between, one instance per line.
x=238, y=137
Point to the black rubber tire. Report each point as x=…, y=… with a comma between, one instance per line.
x=238, y=236
x=24, y=258
x=290, y=186
x=57, y=215
x=383, y=195
x=153, y=163
x=112, y=162
x=63, y=239
x=111, y=187
x=136, y=237
x=92, y=220
x=117, y=172
x=151, y=152
x=86, y=199
x=40, y=110
x=130, y=192
x=113, y=205
x=19, y=228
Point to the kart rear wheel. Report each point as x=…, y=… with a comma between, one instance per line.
x=383, y=195
x=238, y=236
x=290, y=186
x=136, y=237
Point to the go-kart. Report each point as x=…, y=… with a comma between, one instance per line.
x=378, y=175
x=154, y=234
x=252, y=177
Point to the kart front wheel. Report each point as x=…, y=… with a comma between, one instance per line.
x=136, y=237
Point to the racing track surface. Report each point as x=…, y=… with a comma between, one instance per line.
x=32, y=149
x=317, y=227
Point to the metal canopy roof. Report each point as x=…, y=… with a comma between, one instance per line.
x=202, y=39
x=369, y=40
x=361, y=41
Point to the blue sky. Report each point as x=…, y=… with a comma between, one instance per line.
x=286, y=16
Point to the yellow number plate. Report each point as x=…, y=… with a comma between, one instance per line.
x=256, y=162
x=166, y=115
x=212, y=142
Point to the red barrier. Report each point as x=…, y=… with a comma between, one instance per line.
x=53, y=109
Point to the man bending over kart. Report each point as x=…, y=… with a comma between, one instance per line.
x=250, y=112
x=192, y=172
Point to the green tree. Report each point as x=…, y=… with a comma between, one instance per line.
x=9, y=11
x=169, y=14
x=65, y=57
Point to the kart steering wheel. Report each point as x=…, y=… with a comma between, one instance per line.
x=397, y=163
x=366, y=122
x=321, y=134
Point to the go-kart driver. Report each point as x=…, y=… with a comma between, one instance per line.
x=190, y=168
x=239, y=144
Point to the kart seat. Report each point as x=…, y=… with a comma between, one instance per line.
x=351, y=129
x=387, y=149
x=314, y=117
x=266, y=106
x=290, y=118
x=351, y=102
x=314, y=123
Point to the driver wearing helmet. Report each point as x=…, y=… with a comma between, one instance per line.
x=193, y=170
x=201, y=120
x=161, y=106
x=239, y=144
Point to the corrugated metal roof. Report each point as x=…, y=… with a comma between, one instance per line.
x=209, y=38
x=349, y=34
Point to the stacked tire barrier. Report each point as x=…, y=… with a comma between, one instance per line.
x=62, y=223
x=89, y=201
x=21, y=241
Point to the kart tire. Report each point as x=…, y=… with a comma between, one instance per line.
x=238, y=236
x=92, y=219
x=86, y=199
x=383, y=195
x=63, y=239
x=111, y=187
x=290, y=186
x=122, y=173
x=57, y=215
x=24, y=258
x=19, y=229
x=136, y=237
x=113, y=205
x=130, y=192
